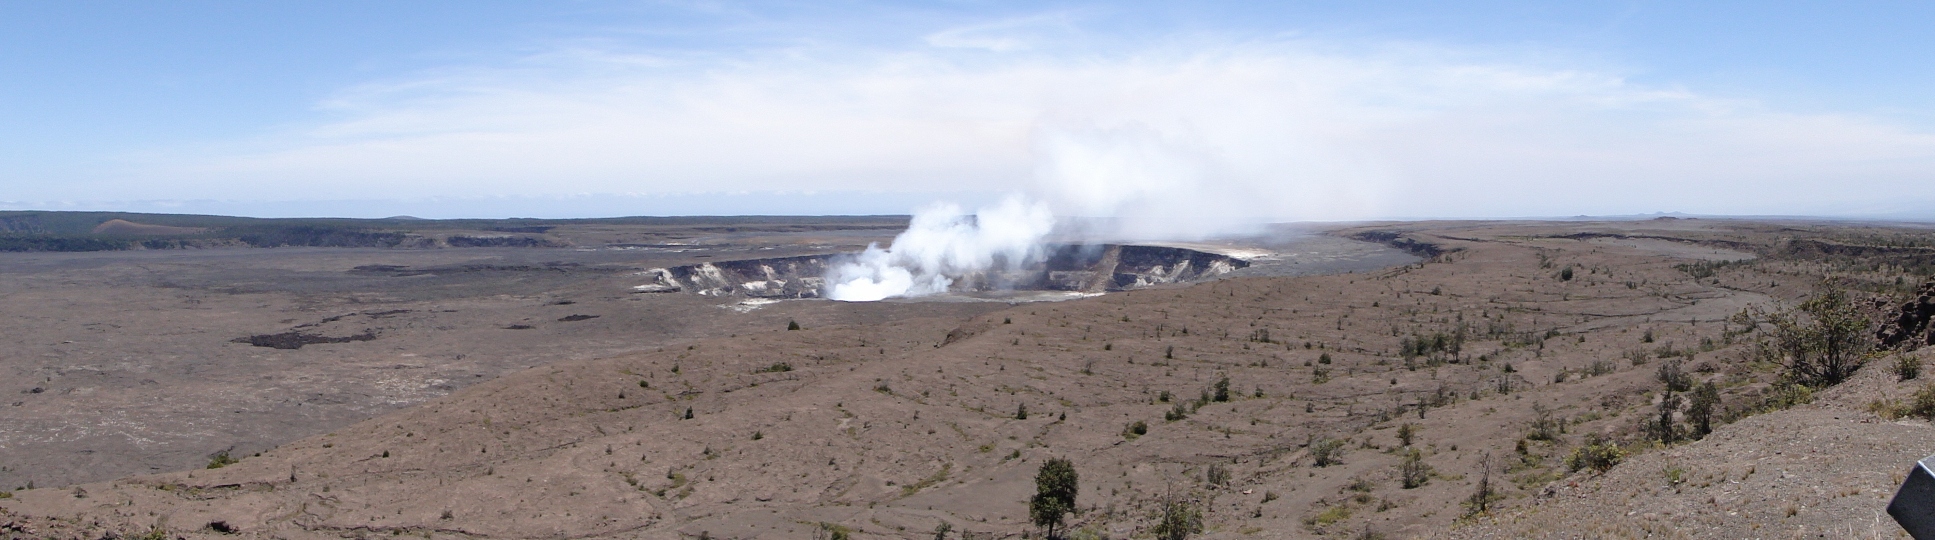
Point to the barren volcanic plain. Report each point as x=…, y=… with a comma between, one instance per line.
x=1394, y=380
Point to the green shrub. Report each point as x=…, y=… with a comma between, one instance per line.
x=1217, y=475
x=1544, y=426
x=1907, y=367
x=1821, y=342
x=1328, y=516
x=777, y=367
x=1598, y=455
x=1412, y=471
x=1325, y=452
x=1923, y=404
x=222, y=459
x=1179, y=412
x=1179, y=520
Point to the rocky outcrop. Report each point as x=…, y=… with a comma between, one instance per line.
x=1909, y=326
x=1399, y=240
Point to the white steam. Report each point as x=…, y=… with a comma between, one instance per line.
x=943, y=244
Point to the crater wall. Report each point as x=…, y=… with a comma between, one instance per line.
x=1069, y=267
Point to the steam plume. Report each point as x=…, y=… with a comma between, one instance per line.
x=943, y=244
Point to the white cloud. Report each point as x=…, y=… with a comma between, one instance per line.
x=1009, y=35
x=1179, y=137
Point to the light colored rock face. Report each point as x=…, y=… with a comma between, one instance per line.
x=891, y=424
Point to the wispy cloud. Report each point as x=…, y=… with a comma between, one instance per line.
x=1192, y=131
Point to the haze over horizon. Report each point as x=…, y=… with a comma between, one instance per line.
x=1212, y=114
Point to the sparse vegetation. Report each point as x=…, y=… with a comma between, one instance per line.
x=1483, y=495
x=1179, y=412
x=1597, y=454
x=777, y=367
x=1326, y=452
x=1674, y=377
x=1217, y=475
x=830, y=531
x=1907, y=367
x=1179, y=519
x=1920, y=405
x=1544, y=426
x=1820, y=342
x=222, y=459
x=1412, y=472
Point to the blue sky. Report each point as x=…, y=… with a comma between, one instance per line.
x=1161, y=110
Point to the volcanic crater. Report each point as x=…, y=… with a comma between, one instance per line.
x=1091, y=268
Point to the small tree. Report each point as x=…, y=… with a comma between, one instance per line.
x=1055, y=487
x=1480, y=500
x=1406, y=432
x=1699, y=412
x=1821, y=342
x=1544, y=427
x=1021, y=412
x=1663, y=427
x=940, y=531
x=1674, y=376
x=1412, y=470
x=1223, y=389
x=1179, y=520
